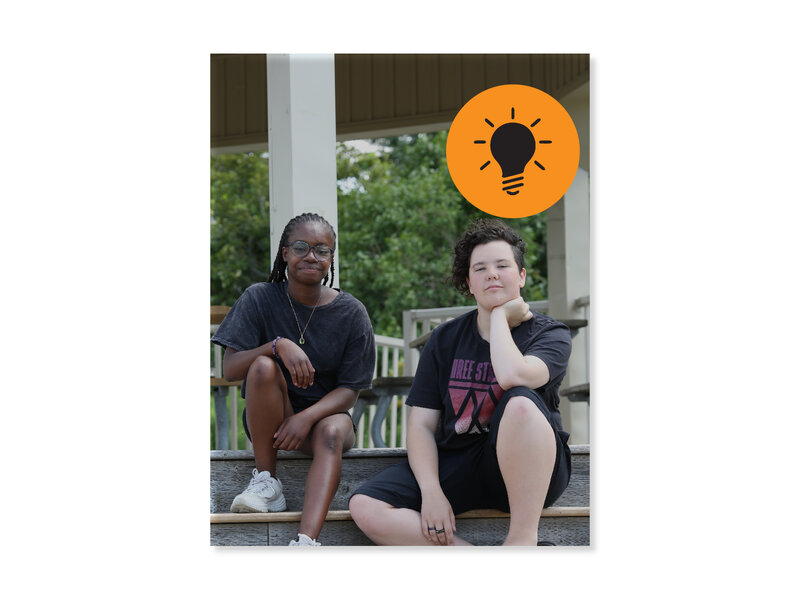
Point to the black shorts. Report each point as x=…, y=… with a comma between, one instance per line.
x=470, y=476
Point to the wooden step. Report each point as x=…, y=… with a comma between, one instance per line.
x=231, y=471
x=565, y=523
x=563, y=526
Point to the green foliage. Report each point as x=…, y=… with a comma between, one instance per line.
x=399, y=217
x=239, y=224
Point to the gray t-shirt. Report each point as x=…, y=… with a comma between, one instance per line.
x=339, y=340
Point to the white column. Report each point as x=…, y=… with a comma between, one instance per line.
x=301, y=118
x=568, y=280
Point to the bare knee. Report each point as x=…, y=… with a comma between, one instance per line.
x=263, y=371
x=365, y=510
x=328, y=436
x=522, y=417
x=520, y=408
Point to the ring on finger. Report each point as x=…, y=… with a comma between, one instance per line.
x=440, y=531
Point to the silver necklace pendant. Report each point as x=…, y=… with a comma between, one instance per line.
x=296, y=320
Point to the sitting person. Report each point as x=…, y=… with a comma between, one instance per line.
x=304, y=351
x=484, y=430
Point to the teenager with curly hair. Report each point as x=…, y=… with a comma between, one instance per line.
x=484, y=430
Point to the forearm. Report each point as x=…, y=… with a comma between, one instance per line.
x=423, y=458
x=236, y=363
x=337, y=401
x=510, y=367
x=507, y=360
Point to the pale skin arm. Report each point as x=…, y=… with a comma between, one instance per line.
x=511, y=368
x=423, y=457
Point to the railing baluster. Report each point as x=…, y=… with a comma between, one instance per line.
x=415, y=323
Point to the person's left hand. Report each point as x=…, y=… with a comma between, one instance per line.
x=516, y=311
x=292, y=432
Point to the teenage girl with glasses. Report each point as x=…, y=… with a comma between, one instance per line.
x=304, y=349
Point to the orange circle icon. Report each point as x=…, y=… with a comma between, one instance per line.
x=512, y=151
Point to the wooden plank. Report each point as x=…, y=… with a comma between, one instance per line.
x=230, y=476
x=217, y=97
x=238, y=103
x=362, y=453
x=382, y=86
x=427, y=86
x=341, y=65
x=496, y=69
x=220, y=382
x=240, y=534
x=473, y=80
x=276, y=517
x=234, y=95
x=344, y=515
x=334, y=533
x=538, y=71
x=256, y=93
x=561, y=531
x=218, y=314
x=519, y=69
x=405, y=87
x=360, y=87
x=450, y=97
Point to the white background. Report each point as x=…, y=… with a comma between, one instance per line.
x=105, y=162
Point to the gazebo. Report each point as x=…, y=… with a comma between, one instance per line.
x=299, y=106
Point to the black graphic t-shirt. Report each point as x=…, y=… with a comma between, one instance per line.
x=455, y=373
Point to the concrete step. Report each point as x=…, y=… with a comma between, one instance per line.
x=566, y=523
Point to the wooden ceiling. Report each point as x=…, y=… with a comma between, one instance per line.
x=382, y=94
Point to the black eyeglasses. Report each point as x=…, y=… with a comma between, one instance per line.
x=301, y=248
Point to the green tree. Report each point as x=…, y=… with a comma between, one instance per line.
x=239, y=224
x=399, y=218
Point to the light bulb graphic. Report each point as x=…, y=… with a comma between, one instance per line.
x=512, y=151
x=512, y=146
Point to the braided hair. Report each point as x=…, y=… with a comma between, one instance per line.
x=278, y=273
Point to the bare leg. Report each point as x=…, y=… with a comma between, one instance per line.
x=389, y=526
x=267, y=401
x=329, y=438
x=526, y=452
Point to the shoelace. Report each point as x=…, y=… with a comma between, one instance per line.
x=260, y=482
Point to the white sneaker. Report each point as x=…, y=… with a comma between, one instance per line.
x=304, y=540
x=264, y=494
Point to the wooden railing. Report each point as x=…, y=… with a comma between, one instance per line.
x=229, y=403
x=391, y=355
x=418, y=323
x=395, y=357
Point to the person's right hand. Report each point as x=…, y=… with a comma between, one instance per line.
x=296, y=362
x=516, y=311
x=437, y=514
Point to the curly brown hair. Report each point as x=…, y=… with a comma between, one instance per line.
x=480, y=232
